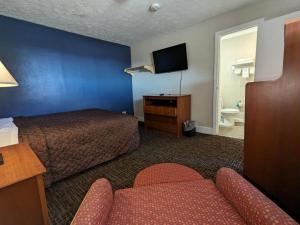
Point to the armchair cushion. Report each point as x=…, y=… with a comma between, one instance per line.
x=192, y=202
x=252, y=205
x=96, y=206
x=165, y=173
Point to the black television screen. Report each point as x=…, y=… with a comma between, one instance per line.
x=170, y=59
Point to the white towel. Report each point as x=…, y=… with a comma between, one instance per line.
x=6, y=122
x=252, y=70
x=238, y=71
x=245, y=72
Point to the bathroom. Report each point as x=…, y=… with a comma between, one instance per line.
x=236, y=69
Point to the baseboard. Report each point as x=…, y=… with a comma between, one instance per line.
x=205, y=130
x=140, y=118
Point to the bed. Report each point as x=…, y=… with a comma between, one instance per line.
x=68, y=143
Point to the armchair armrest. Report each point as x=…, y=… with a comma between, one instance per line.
x=96, y=205
x=251, y=204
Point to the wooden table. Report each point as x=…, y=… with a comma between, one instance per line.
x=22, y=193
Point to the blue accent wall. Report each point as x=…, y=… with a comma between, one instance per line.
x=59, y=71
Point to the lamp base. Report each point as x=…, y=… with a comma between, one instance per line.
x=1, y=159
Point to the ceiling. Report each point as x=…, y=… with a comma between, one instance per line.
x=121, y=21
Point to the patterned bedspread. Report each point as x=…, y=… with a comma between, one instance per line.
x=68, y=143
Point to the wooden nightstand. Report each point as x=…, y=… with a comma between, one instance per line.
x=22, y=193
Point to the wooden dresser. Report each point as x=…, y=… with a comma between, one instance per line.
x=167, y=113
x=22, y=193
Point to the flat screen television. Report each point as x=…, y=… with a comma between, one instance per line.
x=170, y=59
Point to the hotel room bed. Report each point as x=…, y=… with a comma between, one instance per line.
x=68, y=143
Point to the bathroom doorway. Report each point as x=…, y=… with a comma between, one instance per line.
x=235, y=68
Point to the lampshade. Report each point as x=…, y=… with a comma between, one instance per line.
x=6, y=79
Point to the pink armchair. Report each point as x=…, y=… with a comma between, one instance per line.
x=96, y=206
x=233, y=200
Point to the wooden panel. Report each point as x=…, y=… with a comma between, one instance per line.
x=20, y=204
x=272, y=130
x=20, y=163
x=43, y=201
x=164, y=97
x=184, y=112
x=160, y=110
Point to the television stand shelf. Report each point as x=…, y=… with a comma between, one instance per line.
x=167, y=113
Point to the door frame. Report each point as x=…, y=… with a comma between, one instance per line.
x=218, y=35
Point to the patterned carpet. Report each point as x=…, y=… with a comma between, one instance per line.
x=204, y=153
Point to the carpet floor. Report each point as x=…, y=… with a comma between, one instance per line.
x=204, y=153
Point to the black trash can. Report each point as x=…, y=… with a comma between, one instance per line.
x=189, y=128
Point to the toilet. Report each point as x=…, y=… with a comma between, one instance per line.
x=229, y=116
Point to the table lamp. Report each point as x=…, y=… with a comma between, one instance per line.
x=6, y=80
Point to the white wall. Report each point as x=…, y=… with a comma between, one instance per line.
x=232, y=86
x=270, y=47
x=198, y=80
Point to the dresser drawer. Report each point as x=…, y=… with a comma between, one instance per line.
x=163, y=119
x=163, y=126
x=160, y=110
